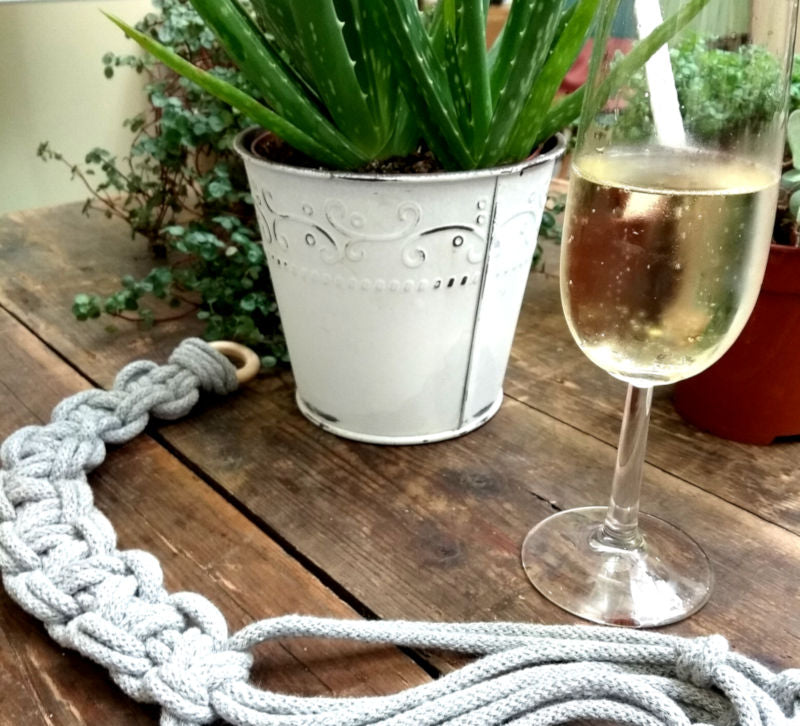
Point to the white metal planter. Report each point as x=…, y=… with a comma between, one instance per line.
x=399, y=295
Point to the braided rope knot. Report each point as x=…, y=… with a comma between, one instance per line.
x=58, y=554
x=60, y=561
x=197, y=666
x=785, y=690
x=698, y=660
x=213, y=371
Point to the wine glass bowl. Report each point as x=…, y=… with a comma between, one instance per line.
x=666, y=234
x=660, y=274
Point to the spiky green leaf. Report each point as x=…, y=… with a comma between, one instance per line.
x=333, y=70
x=527, y=126
x=374, y=70
x=639, y=55
x=277, y=19
x=531, y=45
x=561, y=115
x=567, y=110
x=265, y=69
x=459, y=91
x=526, y=36
x=473, y=63
x=238, y=99
x=423, y=79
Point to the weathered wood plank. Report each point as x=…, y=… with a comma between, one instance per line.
x=204, y=544
x=434, y=532
x=49, y=255
x=547, y=371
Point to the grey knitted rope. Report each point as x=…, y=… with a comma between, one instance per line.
x=60, y=562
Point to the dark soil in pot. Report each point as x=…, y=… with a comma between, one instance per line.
x=272, y=148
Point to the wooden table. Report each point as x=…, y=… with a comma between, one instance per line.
x=248, y=503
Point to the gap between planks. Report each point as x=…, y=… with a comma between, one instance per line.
x=653, y=464
x=322, y=584
x=338, y=588
x=329, y=582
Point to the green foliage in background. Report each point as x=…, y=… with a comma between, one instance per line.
x=794, y=92
x=788, y=213
x=790, y=180
x=326, y=74
x=786, y=221
x=721, y=90
x=183, y=188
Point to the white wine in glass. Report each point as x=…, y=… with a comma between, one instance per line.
x=669, y=285
x=666, y=234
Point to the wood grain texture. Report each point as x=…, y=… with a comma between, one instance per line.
x=549, y=373
x=48, y=255
x=434, y=531
x=203, y=543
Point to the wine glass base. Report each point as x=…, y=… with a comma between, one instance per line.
x=662, y=581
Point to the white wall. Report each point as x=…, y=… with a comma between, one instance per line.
x=52, y=88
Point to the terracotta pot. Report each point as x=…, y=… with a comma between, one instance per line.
x=752, y=394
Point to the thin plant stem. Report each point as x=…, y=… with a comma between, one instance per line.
x=165, y=319
x=621, y=526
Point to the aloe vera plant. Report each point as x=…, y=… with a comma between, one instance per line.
x=348, y=82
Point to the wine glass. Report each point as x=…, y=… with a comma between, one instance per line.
x=671, y=202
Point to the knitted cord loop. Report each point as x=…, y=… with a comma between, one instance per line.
x=699, y=661
x=59, y=560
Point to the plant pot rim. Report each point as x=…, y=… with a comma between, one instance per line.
x=243, y=142
x=784, y=250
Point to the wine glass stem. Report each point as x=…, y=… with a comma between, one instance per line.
x=621, y=526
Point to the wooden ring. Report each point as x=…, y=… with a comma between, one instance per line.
x=246, y=361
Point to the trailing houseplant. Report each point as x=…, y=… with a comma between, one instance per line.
x=399, y=299
x=182, y=187
x=752, y=393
